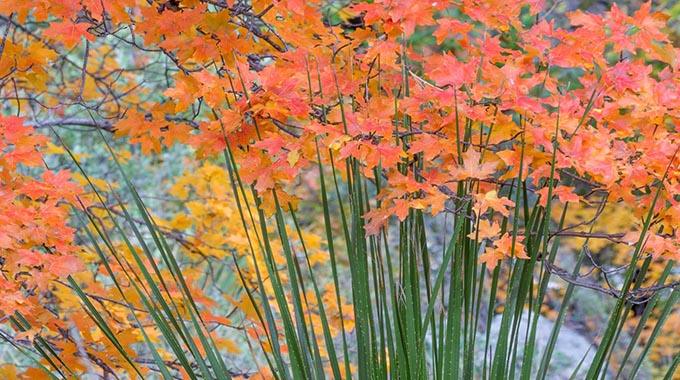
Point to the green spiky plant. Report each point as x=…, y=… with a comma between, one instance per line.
x=415, y=318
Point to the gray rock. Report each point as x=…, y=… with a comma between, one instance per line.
x=570, y=349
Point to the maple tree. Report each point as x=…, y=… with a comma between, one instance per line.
x=507, y=124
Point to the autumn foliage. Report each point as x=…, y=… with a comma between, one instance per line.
x=494, y=113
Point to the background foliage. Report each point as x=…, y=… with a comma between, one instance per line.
x=301, y=190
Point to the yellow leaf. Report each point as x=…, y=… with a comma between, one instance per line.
x=228, y=344
x=245, y=306
x=293, y=157
x=53, y=149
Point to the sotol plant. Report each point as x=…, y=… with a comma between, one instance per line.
x=375, y=116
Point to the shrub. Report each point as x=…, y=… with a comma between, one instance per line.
x=378, y=119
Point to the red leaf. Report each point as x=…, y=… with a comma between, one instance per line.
x=68, y=33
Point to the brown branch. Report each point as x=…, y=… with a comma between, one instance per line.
x=568, y=277
x=4, y=38
x=636, y=296
x=82, y=122
x=83, y=75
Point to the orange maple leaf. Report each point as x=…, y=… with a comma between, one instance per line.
x=491, y=200
x=68, y=33
x=474, y=167
x=486, y=229
x=503, y=249
x=563, y=193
